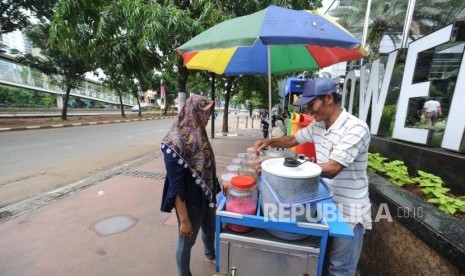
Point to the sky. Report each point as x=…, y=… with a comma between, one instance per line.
x=326, y=5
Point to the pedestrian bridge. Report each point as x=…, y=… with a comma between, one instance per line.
x=18, y=75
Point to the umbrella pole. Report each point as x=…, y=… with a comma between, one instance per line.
x=289, y=101
x=213, y=111
x=269, y=91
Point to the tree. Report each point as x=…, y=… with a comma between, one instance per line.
x=123, y=37
x=387, y=18
x=66, y=70
x=16, y=14
x=432, y=15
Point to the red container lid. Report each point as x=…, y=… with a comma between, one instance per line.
x=242, y=182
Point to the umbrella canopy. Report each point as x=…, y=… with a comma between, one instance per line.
x=252, y=60
x=298, y=40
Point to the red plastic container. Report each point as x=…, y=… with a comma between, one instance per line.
x=306, y=149
x=242, y=199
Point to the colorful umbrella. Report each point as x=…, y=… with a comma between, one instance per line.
x=252, y=60
x=272, y=41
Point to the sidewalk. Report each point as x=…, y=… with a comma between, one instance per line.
x=108, y=224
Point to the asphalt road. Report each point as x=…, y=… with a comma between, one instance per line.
x=33, y=162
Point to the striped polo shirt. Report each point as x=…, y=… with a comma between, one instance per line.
x=345, y=142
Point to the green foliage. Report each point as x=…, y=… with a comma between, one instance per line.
x=131, y=41
x=13, y=97
x=64, y=69
x=397, y=173
x=376, y=162
x=430, y=184
x=387, y=119
x=255, y=90
x=16, y=14
x=387, y=18
x=428, y=180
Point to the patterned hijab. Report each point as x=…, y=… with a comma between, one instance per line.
x=187, y=139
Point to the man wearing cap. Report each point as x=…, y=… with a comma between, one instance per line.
x=341, y=143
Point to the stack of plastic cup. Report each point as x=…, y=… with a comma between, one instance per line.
x=236, y=161
x=233, y=169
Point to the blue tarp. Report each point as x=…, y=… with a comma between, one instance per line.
x=294, y=85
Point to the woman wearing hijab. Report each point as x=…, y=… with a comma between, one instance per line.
x=191, y=184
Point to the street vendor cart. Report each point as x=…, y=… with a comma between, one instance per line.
x=277, y=245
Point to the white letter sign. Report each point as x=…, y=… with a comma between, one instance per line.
x=411, y=90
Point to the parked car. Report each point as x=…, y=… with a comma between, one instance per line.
x=143, y=106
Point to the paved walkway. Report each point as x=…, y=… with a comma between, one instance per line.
x=107, y=224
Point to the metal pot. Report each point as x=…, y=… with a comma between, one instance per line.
x=292, y=184
x=288, y=185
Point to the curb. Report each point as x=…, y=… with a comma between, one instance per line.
x=81, y=124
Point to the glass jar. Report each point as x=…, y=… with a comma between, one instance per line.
x=248, y=171
x=242, y=199
x=226, y=182
x=249, y=155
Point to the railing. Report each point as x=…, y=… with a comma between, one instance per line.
x=17, y=75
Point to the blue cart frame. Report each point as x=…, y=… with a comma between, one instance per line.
x=334, y=226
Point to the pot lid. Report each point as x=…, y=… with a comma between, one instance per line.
x=276, y=167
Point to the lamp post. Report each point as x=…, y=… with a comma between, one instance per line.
x=407, y=23
x=365, y=24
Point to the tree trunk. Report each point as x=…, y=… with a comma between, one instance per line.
x=64, y=111
x=121, y=104
x=227, y=97
x=183, y=76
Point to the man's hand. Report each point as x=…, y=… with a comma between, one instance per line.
x=260, y=145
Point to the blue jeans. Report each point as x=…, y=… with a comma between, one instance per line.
x=200, y=218
x=344, y=253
